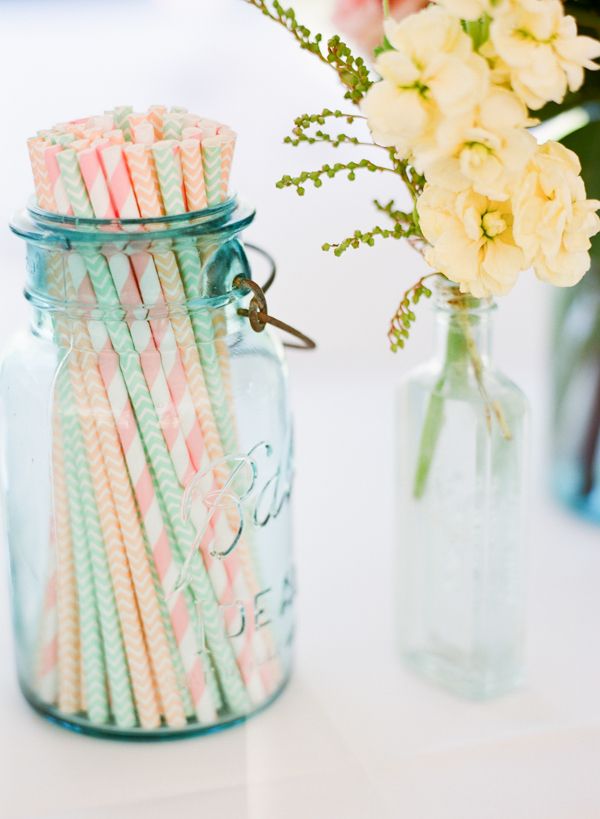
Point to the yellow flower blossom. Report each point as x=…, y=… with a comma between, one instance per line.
x=553, y=219
x=470, y=240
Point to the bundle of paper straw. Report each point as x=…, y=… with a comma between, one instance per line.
x=140, y=408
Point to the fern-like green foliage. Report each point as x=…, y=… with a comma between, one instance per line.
x=310, y=129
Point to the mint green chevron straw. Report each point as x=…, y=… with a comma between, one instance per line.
x=170, y=177
x=92, y=653
x=74, y=184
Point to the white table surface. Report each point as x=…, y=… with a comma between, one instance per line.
x=354, y=736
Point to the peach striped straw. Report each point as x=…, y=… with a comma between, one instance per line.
x=193, y=174
x=143, y=177
x=156, y=115
x=47, y=662
x=69, y=667
x=59, y=194
x=43, y=188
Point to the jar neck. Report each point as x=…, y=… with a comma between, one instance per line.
x=463, y=325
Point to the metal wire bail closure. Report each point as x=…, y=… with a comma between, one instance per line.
x=258, y=313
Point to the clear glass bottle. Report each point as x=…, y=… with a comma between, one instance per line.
x=461, y=452
x=147, y=477
x=576, y=394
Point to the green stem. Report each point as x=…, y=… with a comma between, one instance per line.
x=386, y=8
x=461, y=347
x=456, y=350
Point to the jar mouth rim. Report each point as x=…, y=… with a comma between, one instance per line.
x=41, y=226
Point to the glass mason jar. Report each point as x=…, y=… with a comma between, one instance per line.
x=147, y=473
x=576, y=387
x=462, y=429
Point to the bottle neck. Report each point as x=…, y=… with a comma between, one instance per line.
x=463, y=327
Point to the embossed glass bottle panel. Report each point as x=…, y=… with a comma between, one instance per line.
x=461, y=462
x=147, y=448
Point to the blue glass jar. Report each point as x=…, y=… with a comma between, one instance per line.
x=147, y=471
x=576, y=405
x=462, y=446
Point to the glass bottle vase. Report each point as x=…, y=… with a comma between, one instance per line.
x=462, y=445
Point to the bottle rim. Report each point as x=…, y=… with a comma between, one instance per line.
x=43, y=227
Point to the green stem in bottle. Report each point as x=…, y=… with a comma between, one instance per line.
x=456, y=350
x=461, y=353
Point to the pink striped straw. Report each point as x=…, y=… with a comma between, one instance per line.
x=118, y=181
x=56, y=183
x=47, y=669
x=95, y=183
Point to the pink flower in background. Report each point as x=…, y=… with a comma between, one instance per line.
x=362, y=20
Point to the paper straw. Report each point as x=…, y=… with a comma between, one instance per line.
x=46, y=673
x=211, y=159
x=66, y=592
x=93, y=177
x=143, y=177
x=119, y=184
x=92, y=652
x=121, y=117
x=43, y=188
x=144, y=133
x=170, y=177
x=172, y=126
x=73, y=182
x=193, y=174
x=156, y=115
x=54, y=177
x=227, y=150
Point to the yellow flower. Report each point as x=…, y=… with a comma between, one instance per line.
x=486, y=149
x=431, y=74
x=468, y=9
x=471, y=240
x=538, y=47
x=553, y=220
